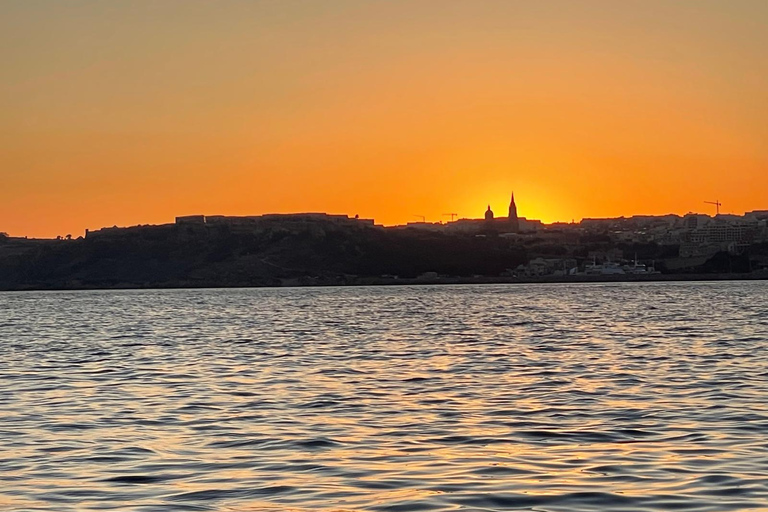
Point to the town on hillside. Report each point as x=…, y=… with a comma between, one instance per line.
x=319, y=248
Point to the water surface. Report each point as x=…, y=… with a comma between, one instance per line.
x=647, y=397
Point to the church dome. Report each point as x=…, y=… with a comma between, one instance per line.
x=489, y=213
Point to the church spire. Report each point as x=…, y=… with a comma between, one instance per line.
x=514, y=222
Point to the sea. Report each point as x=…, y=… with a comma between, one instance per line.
x=541, y=397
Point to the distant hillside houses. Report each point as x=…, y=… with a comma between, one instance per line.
x=287, y=219
x=696, y=234
x=300, y=222
x=692, y=235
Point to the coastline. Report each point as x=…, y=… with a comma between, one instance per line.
x=352, y=281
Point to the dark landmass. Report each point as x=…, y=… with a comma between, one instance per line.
x=284, y=252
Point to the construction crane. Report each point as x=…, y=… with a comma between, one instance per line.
x=717, y=204
x=423, y=218
x=453, y=216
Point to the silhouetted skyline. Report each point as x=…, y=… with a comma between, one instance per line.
x=128, y=112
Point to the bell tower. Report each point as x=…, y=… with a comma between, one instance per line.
x=514, y=222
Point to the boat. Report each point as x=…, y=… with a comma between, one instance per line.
x=604, y=269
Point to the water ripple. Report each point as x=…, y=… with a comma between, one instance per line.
x=632, y=397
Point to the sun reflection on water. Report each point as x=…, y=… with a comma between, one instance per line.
x=498, y=398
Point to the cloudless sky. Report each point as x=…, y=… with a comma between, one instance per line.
x=132, y=112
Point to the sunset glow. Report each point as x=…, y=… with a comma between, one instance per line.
x=134, y=112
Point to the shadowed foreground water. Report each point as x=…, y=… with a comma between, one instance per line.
x=649, y=397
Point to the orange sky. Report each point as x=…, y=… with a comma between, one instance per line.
x=130, y=112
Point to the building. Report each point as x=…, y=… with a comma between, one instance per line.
x=696, y=220
x=547, y=267
x=191, y=219
x=720, y=232
x=425, y=226
x=514, y=222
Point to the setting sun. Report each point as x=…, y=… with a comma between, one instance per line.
x=401, y=255
x=134, y=112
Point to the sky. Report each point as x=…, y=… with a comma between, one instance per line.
x=133, y=112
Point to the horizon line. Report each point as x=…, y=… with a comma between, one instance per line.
x=353, y=217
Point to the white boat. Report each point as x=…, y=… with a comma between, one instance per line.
x=639, y=268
